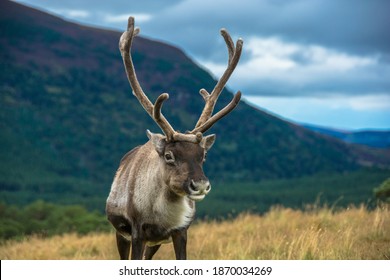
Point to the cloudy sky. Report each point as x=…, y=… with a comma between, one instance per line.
x=324, y=62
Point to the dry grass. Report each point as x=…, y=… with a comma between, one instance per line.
x=280, y=234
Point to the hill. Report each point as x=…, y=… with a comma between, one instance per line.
x=67, y=115
x=371, y=138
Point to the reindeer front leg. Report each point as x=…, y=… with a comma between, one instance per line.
x=150, y=251
x=179, y=238
x=137, y=244
x=123, y=246
x=137, y=249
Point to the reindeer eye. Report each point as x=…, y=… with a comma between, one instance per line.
x=169, y=158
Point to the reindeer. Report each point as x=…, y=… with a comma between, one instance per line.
x=153, y=195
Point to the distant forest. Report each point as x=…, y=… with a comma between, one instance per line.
x=224, y=202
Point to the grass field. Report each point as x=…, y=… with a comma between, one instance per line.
x=281, y=233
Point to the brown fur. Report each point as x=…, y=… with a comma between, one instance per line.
x=152, y=198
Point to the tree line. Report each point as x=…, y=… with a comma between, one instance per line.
x=47, y=219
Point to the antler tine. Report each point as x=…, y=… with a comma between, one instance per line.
x=229, y=43
x=226, y=110
x=158, y=117
x=154, y=111
x=211, y=99
x=195, y=137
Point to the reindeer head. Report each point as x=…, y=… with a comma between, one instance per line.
x=182, y=154
x=181, y=165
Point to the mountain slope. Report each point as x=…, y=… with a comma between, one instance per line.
x=67, y=114
x=371, y=138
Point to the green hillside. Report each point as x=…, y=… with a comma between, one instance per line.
x=67, y=115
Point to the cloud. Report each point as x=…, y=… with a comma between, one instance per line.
x=337, y=111
x=112, y=7
x=360, y=26
x=122, y=18
x=69, y=13
x=276, y=67
x=380, y=102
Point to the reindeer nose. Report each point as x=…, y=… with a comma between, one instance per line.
x=200, y=187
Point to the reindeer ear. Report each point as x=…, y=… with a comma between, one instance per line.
x=158, y=141
x=207, y=142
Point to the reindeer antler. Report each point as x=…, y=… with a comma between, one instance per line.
x=206, y=119
x=154, y=111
